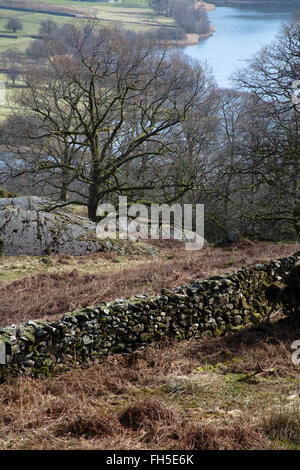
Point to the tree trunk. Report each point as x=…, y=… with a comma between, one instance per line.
x=95, y=176
x=93, y=201
x=296, y=214
x=65, y=178
x=64, y=192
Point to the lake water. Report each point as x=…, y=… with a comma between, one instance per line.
x=241, y=31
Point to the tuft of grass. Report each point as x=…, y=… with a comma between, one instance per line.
x=146, y=414
x=235, y=436
x=183, y=384
x=89, y=425
x=283, y=424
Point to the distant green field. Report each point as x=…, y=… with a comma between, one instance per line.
x=4, y=109
x=85, y=5
x=31, y=24
x=130, y=14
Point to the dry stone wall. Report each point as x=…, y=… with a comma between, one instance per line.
x=202, y=308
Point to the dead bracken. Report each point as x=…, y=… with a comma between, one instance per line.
x=70, y=282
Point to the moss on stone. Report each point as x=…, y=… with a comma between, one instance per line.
x=129, y=324
x=4, y=194
x=255, y=317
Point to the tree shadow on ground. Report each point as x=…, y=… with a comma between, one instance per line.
x=266, y=344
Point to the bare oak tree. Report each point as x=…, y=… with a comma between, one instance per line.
x=122, y=97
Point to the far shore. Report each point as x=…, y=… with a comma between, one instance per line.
x=190, y=39
x=229, y=3
x=209, y=6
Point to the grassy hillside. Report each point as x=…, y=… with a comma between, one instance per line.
x=131, y=14
x=239, y=2
x=48, y=286
x=238, y=391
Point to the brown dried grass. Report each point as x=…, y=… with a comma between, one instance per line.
x=146, y=413
x=49, y=295
x=231, y=437
x=120, y=403
x=283, y=424
x=89, y=424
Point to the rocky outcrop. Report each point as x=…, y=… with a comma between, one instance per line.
x=27, y=228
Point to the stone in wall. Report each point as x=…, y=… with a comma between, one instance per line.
x=203, y=308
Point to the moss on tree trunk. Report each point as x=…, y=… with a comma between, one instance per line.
x=1, y=247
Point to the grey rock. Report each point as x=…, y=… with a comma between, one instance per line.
x=86, y=340
x=233, y=237
x=27, y=228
